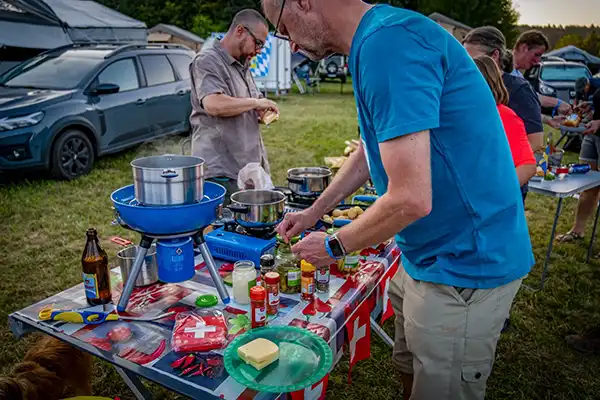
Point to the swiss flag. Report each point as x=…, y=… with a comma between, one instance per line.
x=384, y=286
x=358, y=327
x=315, y=392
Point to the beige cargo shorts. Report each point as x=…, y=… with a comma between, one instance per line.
x=446, y=337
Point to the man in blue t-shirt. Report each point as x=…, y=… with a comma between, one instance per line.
x=434, y=146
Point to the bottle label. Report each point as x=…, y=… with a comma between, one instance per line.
x=323, y=275
x=351, y=260
x=308, y=286
x=293, y=277
x=273, y=298
x=90, y=285
x=260, y=314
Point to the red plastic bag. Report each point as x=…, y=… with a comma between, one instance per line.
x=199, y=331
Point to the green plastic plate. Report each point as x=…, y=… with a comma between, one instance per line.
x=304, y=359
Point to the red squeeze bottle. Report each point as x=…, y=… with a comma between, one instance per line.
x=258, y=304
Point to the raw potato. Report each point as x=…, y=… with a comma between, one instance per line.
x=337, y=213
x=359, y=210
x=328, y=219
x=352, y=214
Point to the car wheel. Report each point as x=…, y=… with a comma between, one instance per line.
x=72, y=155
x=332, y=68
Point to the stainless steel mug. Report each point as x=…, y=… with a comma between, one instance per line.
x=148, y=274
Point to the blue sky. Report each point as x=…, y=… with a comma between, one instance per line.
x=564, y=12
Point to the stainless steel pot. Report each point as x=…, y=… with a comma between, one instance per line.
x=168, y=180
x=308, y=181
x=257, y=208
x=148, y=274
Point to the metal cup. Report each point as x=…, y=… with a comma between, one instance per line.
x=148, y=274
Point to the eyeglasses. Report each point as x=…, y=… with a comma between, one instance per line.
x=259, y=44
x=277, y=34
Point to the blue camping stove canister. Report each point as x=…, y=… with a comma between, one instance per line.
x=175, y=258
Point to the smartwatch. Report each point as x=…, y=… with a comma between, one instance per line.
x=335, y=245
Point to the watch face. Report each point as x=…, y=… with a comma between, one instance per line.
x=336, y=249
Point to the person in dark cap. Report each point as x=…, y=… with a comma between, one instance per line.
x=585, y=89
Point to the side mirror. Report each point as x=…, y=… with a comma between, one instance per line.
x=106, y=88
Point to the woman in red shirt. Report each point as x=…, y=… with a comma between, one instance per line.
x=513, y=125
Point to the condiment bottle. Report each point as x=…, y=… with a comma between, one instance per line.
x=323, y=279
x=258, y=296
x=272, y=286
x=267, y=264
x=308, y=281
x=351, y=262
x=96, y=276
x=287, y=266
x=244, y=278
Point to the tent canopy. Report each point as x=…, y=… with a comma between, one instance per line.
x=45, y=24
x=572, y=53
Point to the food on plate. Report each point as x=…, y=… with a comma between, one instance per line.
x=572, y=121
x=259, y=353
x=539, y=171
x=347, y=214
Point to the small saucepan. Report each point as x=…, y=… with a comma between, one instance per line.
x=308, y=181
x=257, y=208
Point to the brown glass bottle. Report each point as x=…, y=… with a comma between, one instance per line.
x=96, y=275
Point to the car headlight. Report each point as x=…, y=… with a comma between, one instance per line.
x=547, y=90
x=10, y=123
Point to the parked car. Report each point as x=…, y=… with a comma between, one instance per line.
x=557, y=78
x=334, y=67
x=65, y=107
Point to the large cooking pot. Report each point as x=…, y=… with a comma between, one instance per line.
x=257, y=208
x=309, y=181
x=168, y=180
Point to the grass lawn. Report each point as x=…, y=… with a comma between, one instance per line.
x=43, y=233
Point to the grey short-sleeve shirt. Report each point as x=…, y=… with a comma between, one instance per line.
x=227, y=144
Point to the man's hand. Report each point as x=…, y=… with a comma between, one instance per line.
x=565, y=108
x=556, y=121
x=263, y=105
x=294, y=223
x=592, y=127
x=312, y=249
x=583, y=107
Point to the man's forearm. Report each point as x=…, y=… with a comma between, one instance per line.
x=353, y=174
x=220, y=105
x=536, y=141
x=547, y=101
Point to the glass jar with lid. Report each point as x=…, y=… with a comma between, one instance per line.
x=287, y=266
x=244, y=278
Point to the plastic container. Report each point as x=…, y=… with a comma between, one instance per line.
x=272, y=286
x=244, y=278
x=258, y=304
x=308, y=281
x=287, y=266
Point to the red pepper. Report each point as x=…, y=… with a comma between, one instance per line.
x=190, y=369
x=213, y=361
x=189, y=359
x=199, y=372
x=178, y=363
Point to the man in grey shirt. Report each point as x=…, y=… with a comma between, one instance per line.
x=226, y=105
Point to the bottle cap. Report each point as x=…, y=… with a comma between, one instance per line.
x=267, y=260
x=207, y=300
x=258, y=293
x=271, y=278
x=306, y=266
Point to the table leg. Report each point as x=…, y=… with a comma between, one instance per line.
x=549, y=251
x=381, y=333
x=564, y=135
x=135, y=385
x=589, y=254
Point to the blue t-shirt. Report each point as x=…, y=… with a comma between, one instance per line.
x=411, y=75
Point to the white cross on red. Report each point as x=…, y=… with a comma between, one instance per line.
x=200, y=329
x=358, y=333
x=386, y=297
x=314, y=393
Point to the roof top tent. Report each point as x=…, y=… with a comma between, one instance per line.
x=28, y=27
x=573, y=53
x=272, y=68
x=164, y=33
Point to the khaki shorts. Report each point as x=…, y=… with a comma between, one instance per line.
x=446, y=337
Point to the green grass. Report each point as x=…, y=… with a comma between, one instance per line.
x=43, y=232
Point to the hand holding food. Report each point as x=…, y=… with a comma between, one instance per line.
x=572, y=121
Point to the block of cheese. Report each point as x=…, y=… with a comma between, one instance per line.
x=259, y=353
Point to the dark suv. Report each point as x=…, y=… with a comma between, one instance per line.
x=557, y=78
x=65, y=107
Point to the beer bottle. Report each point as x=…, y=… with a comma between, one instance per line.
x=96, y=275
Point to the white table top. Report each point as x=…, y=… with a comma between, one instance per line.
x=570, y=185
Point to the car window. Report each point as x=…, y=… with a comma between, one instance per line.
x=564, y=72
x=121, y=73
x=181, y=64
x=158, y=70
x=51, y=71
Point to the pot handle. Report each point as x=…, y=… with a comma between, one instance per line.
x=169, y=173
x=298, y=181
x=239, y=209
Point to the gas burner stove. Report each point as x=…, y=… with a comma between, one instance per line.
x=299, y=202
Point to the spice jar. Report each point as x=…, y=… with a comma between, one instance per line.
x=308, y=281
x=323, y=279
x=258, y=296
x=272, y=286
x=267, y=264
x=244, y=278
x=351, y=262
x=287, y=266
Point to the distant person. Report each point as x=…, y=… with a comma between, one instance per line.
x=514, y=127
x=585, y=90
x=226, y=105
x=527, y=53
